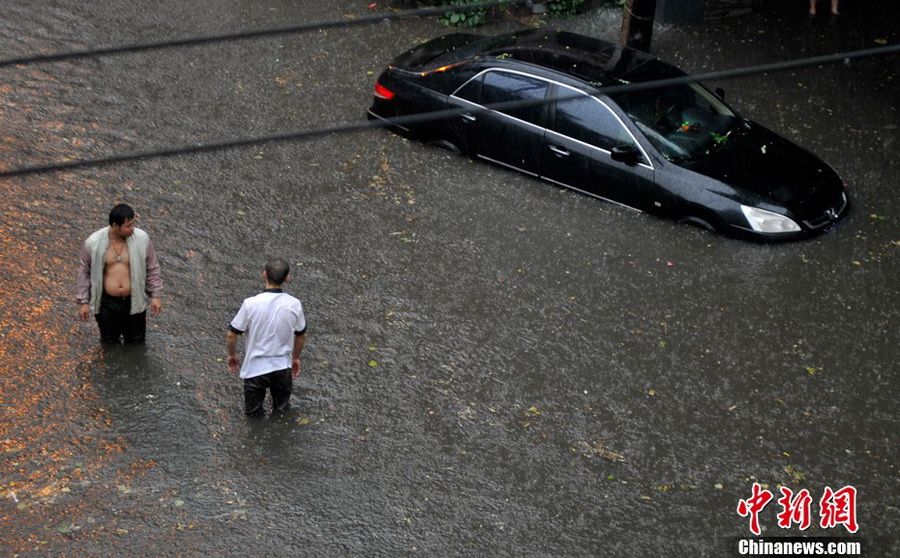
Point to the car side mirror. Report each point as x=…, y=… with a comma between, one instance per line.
x=627, y=154
x=720, y=93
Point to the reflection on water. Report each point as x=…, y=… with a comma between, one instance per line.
x=54, y=434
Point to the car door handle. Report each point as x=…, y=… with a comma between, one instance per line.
x=560, y=152
x=468, y=117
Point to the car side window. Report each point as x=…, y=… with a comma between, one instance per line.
x=471, y=91
x=586, y=119
x=500, y=87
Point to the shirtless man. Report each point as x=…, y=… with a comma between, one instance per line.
x=119, y=278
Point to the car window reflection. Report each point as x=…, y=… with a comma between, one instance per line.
x=500, y=87
x=587, y=120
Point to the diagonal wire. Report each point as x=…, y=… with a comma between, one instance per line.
x=269, y=32
x=844, y=57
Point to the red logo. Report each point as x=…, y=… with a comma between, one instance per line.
x=835, y=508
x=753, y=505
x=794, y=509
x=839, y=508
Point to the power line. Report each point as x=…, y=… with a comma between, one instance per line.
x=302, y=28
x=844, y=57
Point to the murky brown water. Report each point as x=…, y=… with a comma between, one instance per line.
x=495, y=366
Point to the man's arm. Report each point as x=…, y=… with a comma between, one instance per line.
x=154, y=280
x=83, y=284
x=234, y=362
x=299, y=341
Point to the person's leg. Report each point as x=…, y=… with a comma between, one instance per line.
x=255, y=395
x=834, y=7
x=281, y=384
x=135, y=329
x=812, y=7
x=110, y=319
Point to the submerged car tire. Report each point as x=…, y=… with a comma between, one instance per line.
x=445, y=144
x=700, y=222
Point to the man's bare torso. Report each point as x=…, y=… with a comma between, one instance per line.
x=117, y=270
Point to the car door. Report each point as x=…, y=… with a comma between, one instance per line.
x=577, y=152
x=511, y=136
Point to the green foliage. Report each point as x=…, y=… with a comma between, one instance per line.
x=565, y=7
x=472, y=17
x=465, y=15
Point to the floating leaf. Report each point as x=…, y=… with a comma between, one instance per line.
x=373, y=363
x=651, y=392
x=533, y=411
x=796, y=474
x=599, y=449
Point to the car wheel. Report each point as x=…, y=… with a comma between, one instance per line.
x=698, y=222
x=445, y=144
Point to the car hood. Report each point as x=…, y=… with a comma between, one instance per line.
x=761, y=162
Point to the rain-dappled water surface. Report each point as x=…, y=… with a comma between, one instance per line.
x=495, y=366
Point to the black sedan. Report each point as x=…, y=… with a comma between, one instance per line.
x=533, y=101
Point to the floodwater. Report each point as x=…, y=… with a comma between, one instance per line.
x=494, y=366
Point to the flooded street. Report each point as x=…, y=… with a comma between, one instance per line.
x=494, y=366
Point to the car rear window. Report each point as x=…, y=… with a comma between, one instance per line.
x=438, y=52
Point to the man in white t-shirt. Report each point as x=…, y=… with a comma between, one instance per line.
x=276, y=331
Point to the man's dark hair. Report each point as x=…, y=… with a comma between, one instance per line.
x=120, y=213
x=277, y=270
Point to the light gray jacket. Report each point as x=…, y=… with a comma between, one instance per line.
x=146, y=281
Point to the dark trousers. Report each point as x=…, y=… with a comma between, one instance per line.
x=278, y=382
x=116, y=322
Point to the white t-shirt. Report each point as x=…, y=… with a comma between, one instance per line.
x=271, y=319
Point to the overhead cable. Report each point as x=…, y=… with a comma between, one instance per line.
x=844, y=57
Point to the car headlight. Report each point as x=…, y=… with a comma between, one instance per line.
x=768, y=222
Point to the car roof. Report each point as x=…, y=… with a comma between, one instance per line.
x=591, y=60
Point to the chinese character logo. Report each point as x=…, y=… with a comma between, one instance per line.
x=753, y=505
x=835, y=508
x=839, y=508
x=794, y=509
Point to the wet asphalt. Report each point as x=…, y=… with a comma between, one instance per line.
x=495, y=366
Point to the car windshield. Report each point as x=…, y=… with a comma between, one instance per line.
x=683, y=122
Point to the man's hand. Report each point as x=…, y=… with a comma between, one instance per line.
x=155, y=307
x=234, y=363
x=295, y=367
x=84, y=312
